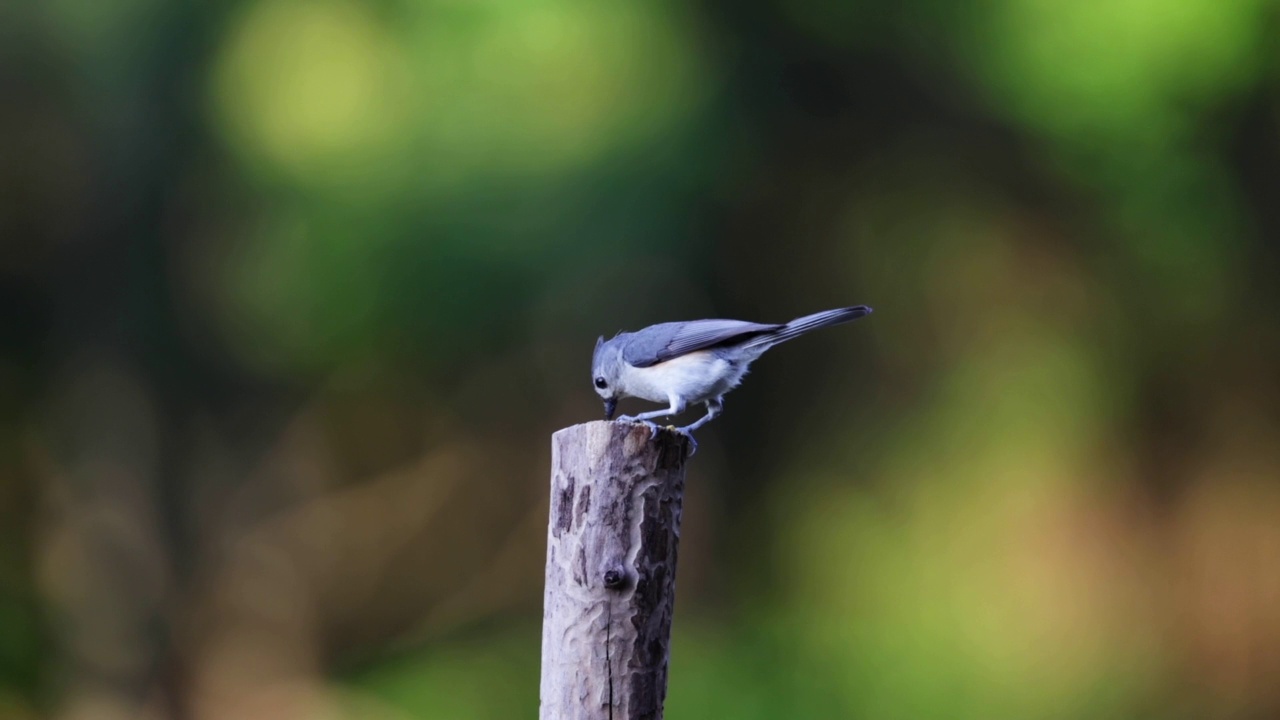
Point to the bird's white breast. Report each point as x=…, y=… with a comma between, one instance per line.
x=694, y=377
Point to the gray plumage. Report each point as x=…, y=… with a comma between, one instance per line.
x=683, y=363
x=659, y=343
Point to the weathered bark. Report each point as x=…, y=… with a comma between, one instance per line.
x=616, y=497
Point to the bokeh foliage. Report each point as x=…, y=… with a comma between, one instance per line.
x=295, y=291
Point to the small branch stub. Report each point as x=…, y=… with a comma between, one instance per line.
x=616, y=497
x=614, y=579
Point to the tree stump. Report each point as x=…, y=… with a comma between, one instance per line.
x=616, y=497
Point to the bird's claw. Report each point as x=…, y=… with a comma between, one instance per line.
x=685, y=431
x=655, y=427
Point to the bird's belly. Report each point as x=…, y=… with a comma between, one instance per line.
x=694, y=377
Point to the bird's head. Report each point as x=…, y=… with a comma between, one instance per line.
x=606, y=369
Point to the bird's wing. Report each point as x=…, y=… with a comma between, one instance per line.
x=659, y=343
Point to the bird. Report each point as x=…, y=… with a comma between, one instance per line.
x=696, y=361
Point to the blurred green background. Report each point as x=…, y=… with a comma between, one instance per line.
x=295, y=291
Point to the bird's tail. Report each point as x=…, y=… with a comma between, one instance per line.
x=808, y=323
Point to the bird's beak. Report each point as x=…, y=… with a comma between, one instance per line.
x=610, y=406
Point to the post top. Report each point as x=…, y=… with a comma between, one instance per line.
x=631, y=437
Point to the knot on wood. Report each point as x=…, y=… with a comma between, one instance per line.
x=615, y=579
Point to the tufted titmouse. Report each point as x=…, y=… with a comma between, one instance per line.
x=683, y=363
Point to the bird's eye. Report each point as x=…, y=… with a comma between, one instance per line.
x=600, y=383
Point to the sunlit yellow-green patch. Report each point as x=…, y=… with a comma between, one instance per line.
x=312, y=87
x=433, y=95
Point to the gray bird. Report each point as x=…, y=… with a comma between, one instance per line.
x=685, y=363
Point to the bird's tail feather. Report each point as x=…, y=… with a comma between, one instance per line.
x=808, y=323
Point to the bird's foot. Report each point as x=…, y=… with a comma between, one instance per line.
x=686, y=431
x=653, y=426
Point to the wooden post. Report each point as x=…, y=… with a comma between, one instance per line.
x=616, y=497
